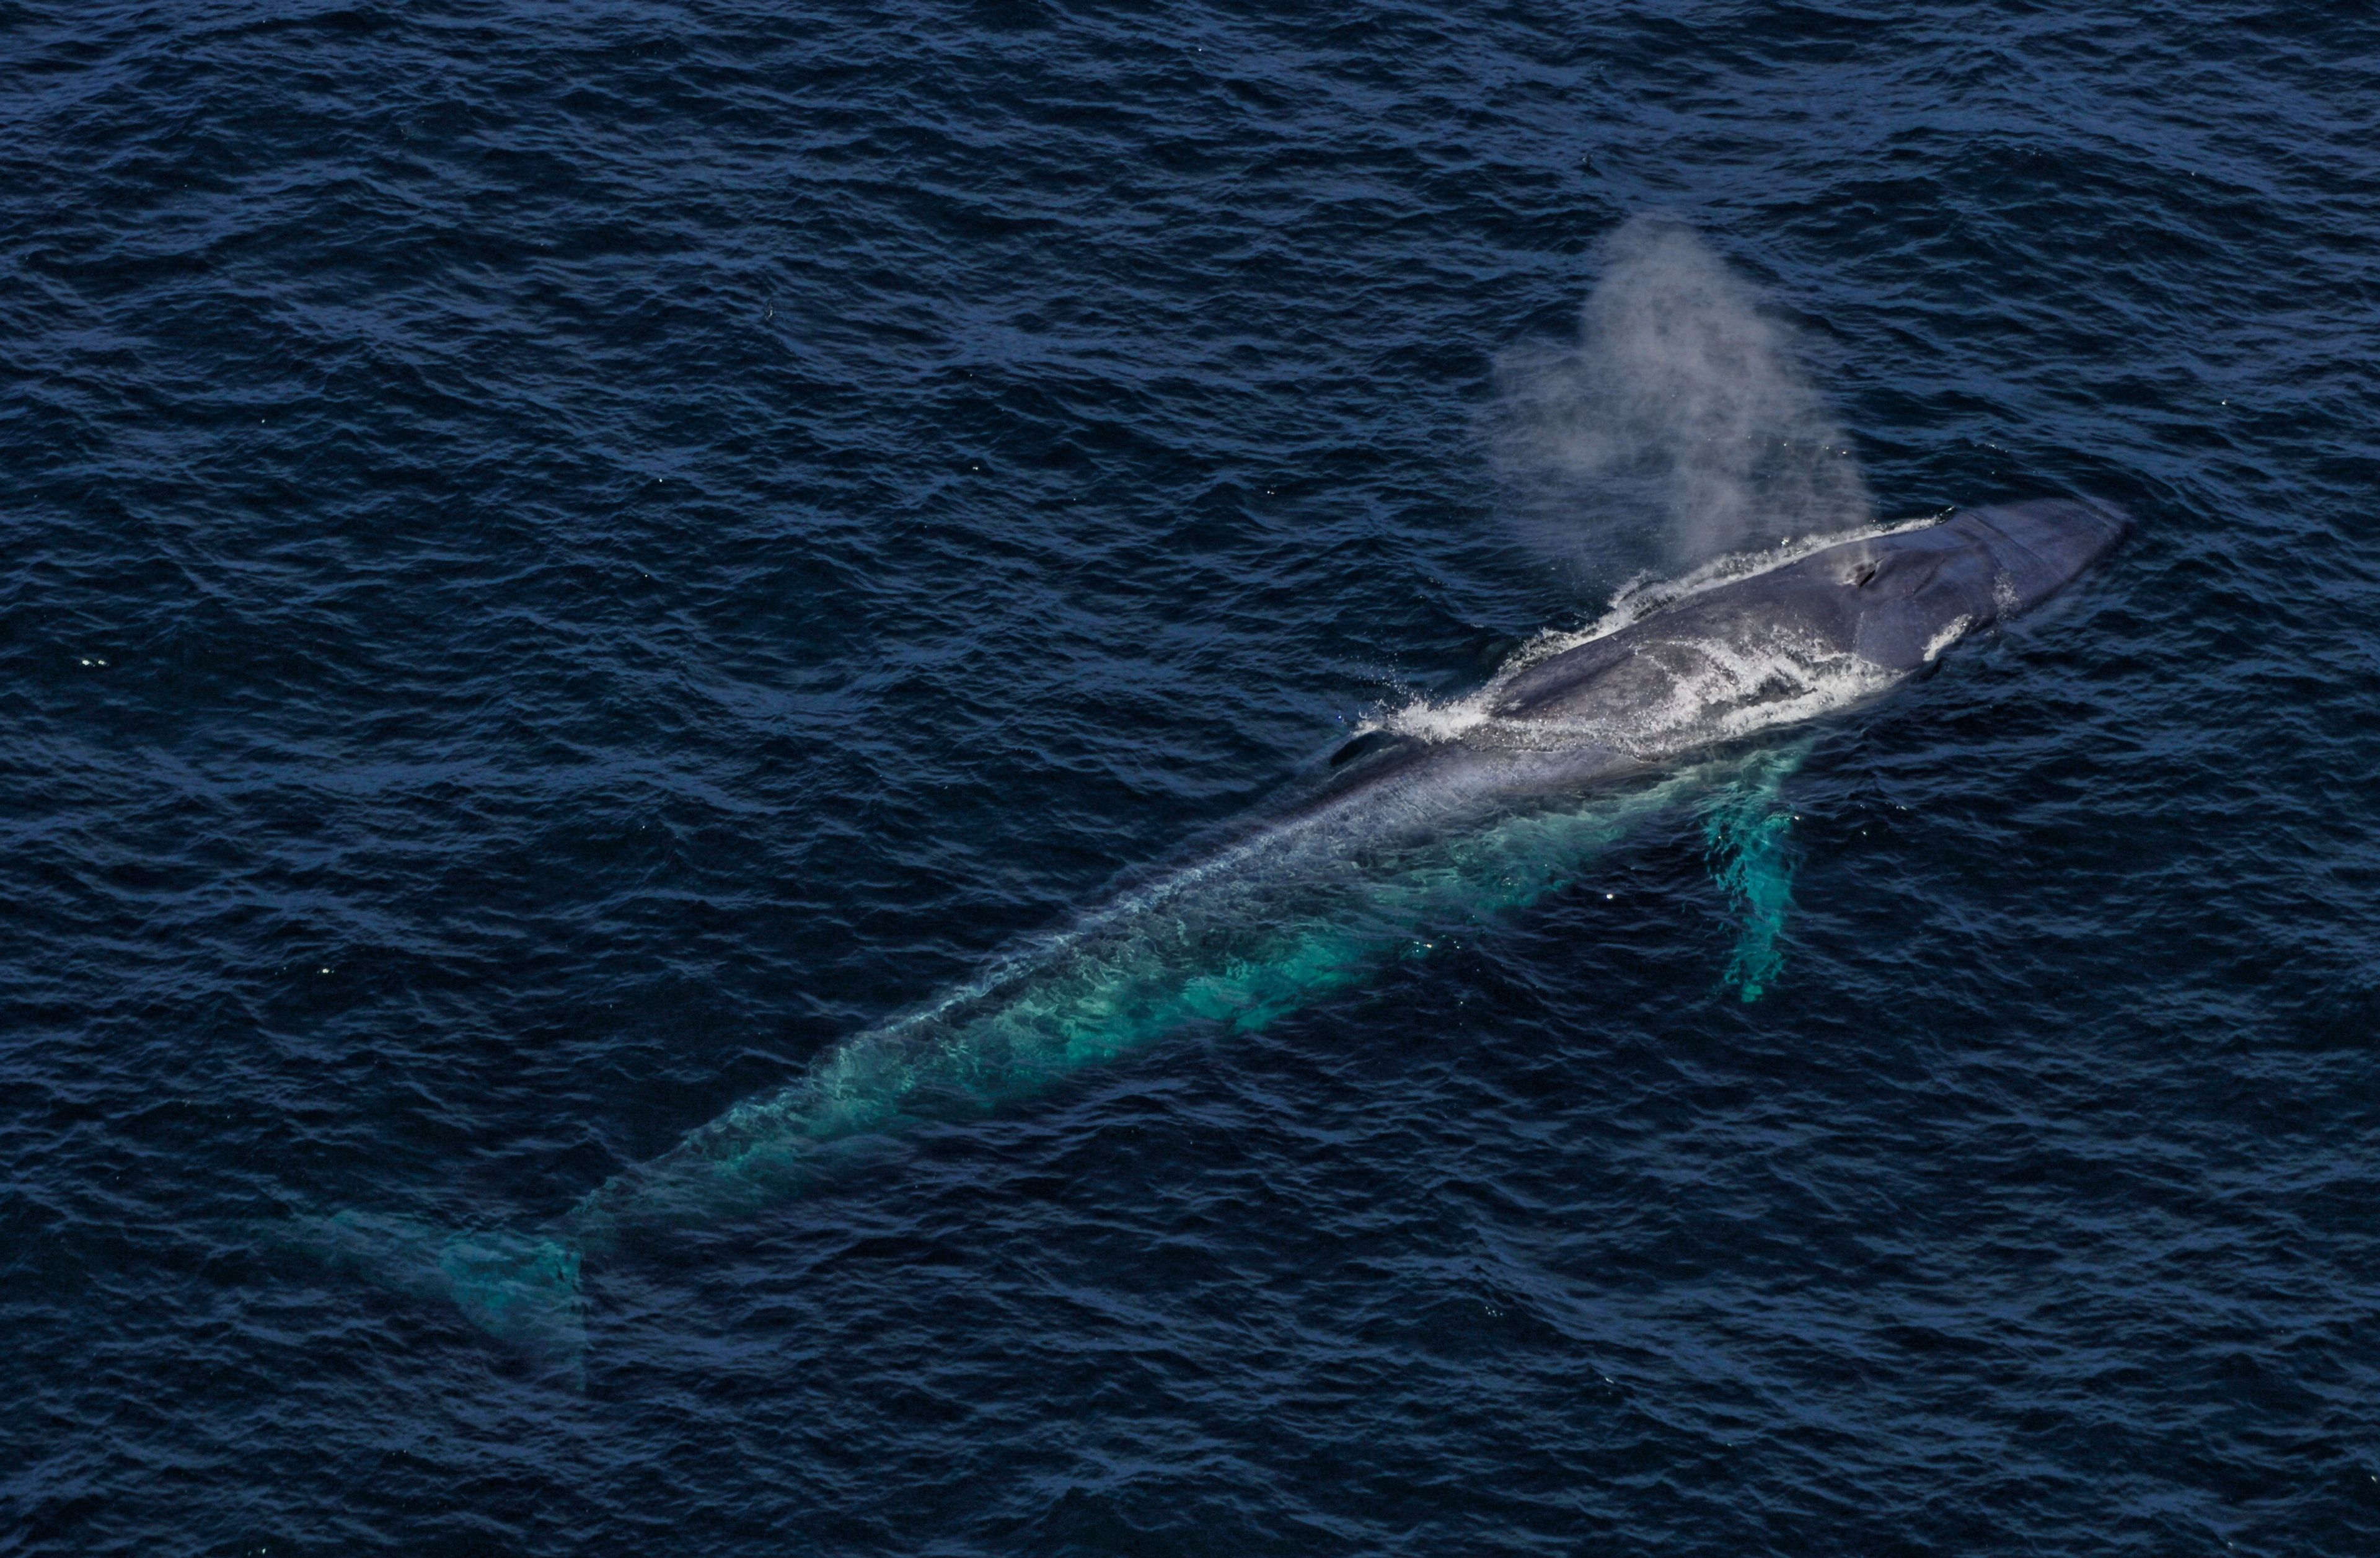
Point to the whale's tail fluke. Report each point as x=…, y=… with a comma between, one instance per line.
x=521, y=1289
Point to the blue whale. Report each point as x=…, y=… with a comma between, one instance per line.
x=1439, y=817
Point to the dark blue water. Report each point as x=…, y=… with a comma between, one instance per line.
x=560, y=561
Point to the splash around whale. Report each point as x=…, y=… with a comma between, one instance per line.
x=1439, y=816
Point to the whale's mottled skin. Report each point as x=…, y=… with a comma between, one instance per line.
x=1835, y=625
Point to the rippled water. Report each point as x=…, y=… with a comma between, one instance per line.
x=561, y=561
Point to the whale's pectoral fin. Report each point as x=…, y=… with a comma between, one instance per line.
x=1749, y=833
x=522, y=1289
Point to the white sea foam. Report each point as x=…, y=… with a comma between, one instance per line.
x=1949, y=635
x=1720, y=700
x=1716, y=691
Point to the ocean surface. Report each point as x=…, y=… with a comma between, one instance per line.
x=562, y=562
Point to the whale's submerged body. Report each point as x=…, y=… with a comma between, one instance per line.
x=1431, y=820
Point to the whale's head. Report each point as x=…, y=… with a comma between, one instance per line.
x=2041, y=547
x=1913, y=593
